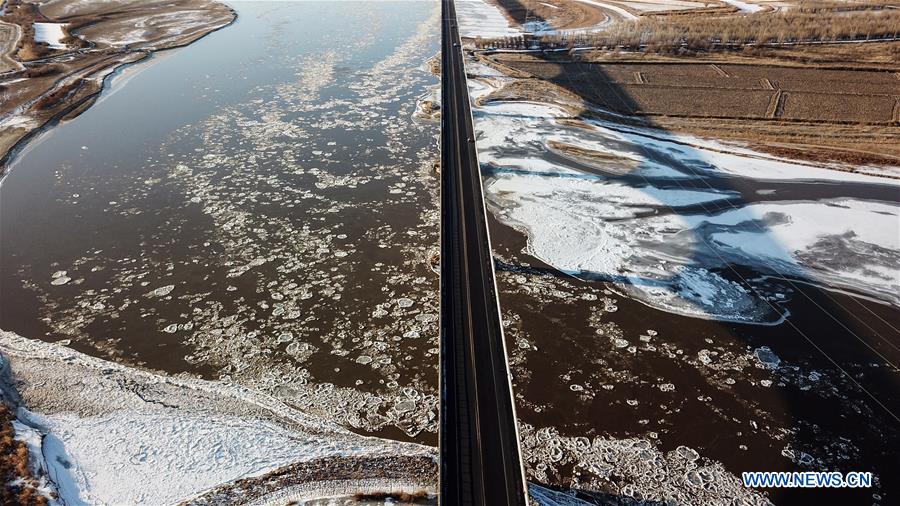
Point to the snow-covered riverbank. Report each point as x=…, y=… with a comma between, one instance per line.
x=668, y=217
x=103, y=433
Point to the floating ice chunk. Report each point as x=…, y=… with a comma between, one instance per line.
x=404, y=406
x=171, y=329
x=696, y=478
x=161, y=291
x=61, y=279
x=404, y=302
x=687, y=453
x=767, y=357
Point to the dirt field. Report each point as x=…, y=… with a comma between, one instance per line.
x=9, y=39
x=561, y=14
x=816, y=113
x=40, y=84
x=732, y=91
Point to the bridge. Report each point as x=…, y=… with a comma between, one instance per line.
x=479, y=445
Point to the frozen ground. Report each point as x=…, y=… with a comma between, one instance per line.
x=125, y=436
x=668, y=218
x=480, y=18
x=666, y=5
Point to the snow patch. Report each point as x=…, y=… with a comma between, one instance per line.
x=481, y=19
x=50, y=33
x=649, y=212
x=744, y=6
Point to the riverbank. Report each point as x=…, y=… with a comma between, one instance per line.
x=119, y=434
x=47, y=81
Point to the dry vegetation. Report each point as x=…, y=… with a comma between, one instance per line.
x=810, y=80
x=14, y=471
x=695, y=32
x=24, y=15
x=844, y=5
x=736, y=31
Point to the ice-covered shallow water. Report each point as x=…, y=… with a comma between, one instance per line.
x=259, y=207
x=667, y=222
x=688, y=292
x=119, y=435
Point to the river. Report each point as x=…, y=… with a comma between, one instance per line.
x=259, y=207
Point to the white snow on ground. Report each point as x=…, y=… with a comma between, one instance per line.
x=618, y=10
x=51, y=33
x=744, y=6
x=16, y=120
x=642, y=214
x=478, y=18
x=845, y=243
x=128, y=457
x=735, y=160
x=645, y=6
x=125, y=436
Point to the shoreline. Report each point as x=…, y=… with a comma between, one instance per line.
x=74, y=105
x=202, y=439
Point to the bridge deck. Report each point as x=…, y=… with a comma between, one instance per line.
x=480, y=461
